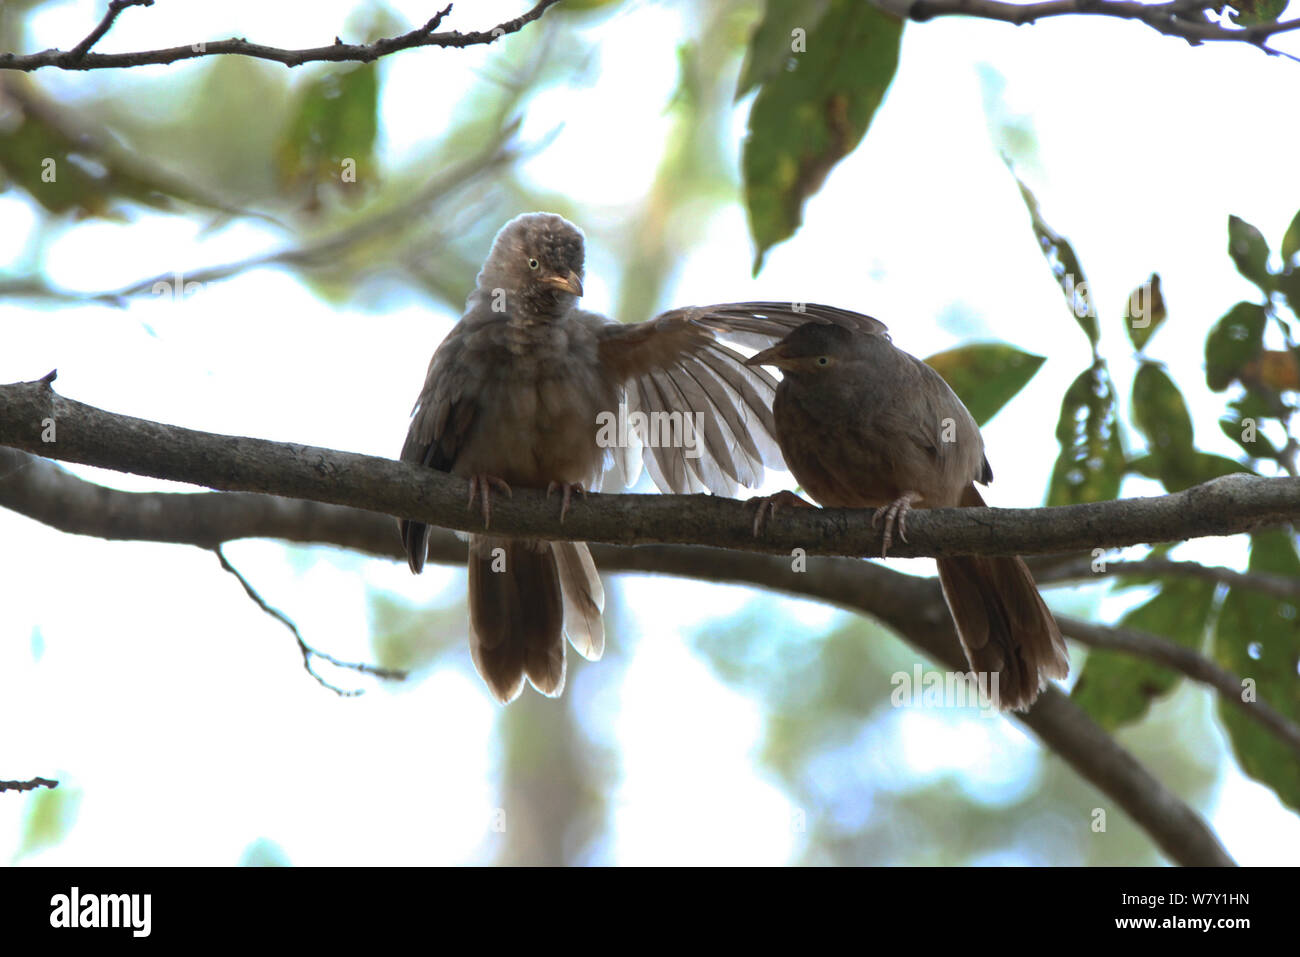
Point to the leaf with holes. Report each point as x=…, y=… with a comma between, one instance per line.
x=1257, y=637
x=1091, y=461
x=1065, y=267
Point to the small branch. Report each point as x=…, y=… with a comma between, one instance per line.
x=1186, y=661
x=1084, y=568
x=1178, y=18
x=114, y=8
x=81, y=58
x=31, y=785
x=308, y=652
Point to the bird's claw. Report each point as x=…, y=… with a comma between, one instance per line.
x=766, y=505
x=894, y=516
x=566, y=494
x=480, y=486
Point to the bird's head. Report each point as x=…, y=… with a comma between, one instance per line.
x=812, y=349
x=535, y=264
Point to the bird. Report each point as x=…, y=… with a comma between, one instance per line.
x=514, y=396
x=863, y=424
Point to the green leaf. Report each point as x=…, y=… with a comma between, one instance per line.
x=1256, y=11
x=334, y=124
x=1291, y=241
x=804, y=121
x=772, y=48
x=1288, y=284
x=1243, y=423
x=1249, y=250
x=50, y=817
x=1091, y=462
x=1160, y=414
x=1255, y=638
x=1118, y=689
x=985, y=375
x=1145, y=312
x=1235, y=340
x=1203, y=465
x=1065, y=267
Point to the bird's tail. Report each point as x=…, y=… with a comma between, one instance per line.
x=519, y=592
x=1005, y=627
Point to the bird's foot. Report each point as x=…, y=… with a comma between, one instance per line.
x=894, y=516
x=566, y=494
x=480, y=486
x=766, y=505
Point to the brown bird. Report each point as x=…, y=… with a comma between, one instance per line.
x=527, y=390
x=863, y=424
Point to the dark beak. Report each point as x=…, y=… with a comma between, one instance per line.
x=571, y=283
x=775, y=356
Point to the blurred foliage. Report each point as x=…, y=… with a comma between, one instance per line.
x=271, y=145
x=51, y=813
x=264, y=853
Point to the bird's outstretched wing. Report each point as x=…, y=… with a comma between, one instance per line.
x=676, y=366
x=760, y=324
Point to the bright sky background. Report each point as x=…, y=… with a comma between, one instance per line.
x=182, y=712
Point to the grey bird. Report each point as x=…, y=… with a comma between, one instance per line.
x=513, y=398
x=863, y=424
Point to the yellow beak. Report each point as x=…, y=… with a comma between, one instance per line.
x=570, y=283
x=775, y=356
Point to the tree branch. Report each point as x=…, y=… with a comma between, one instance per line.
x=80, y=57
x=911, y=607
x=1084, y=568
x=36, y=419
x=1178, y=18
x=31, y=785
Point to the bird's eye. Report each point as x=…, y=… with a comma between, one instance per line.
x=823, y=361
x=532, y=264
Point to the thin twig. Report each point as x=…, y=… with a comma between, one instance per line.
x=31, y=785
x=1085, y=568
x=114, y=8
x=308, y=652
x=1177, y=18
x=80, y=57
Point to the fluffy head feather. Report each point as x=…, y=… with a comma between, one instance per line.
x=536, y=263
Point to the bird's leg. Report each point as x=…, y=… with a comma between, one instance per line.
x=768, y=504
x=481, y=486
x=894, y=516
x=566, y=493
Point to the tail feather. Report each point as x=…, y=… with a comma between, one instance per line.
x=415, y=541
x=584, y=598
x=516, y=614
x=1005, y=627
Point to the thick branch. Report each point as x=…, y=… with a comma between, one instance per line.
x=80, y=57
x=910, y=606
x=31, y=413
